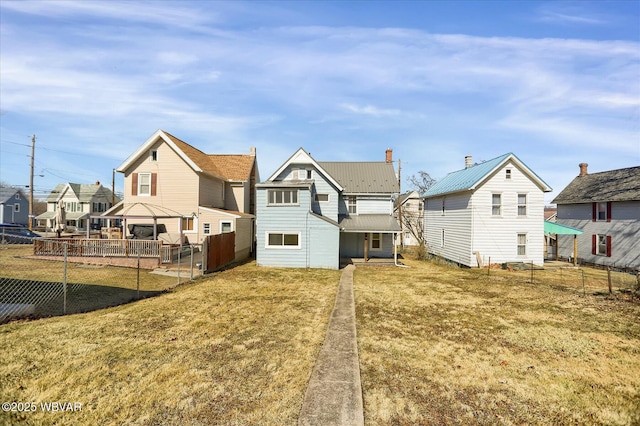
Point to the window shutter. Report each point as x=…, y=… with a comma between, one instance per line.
x=594, y=244
x=609, y=211
x=594, y=211
x=608, y=245
x=154, y=183
x=134, y=184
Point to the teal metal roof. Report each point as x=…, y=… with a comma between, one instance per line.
x=467, y=178
x=556, y=228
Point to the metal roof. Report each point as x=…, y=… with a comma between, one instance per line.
x=374, y=177
x=369, y=223
x=556, y=228
x=612, y=185
x=468, y=178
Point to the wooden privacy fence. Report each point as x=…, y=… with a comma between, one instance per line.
x=101, y=248
x=220, y=249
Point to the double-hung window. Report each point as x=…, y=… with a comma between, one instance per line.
x=496, y=204
x=352, y=204
x=282, y=197
x=376, y=241
x=522, y=204
x=144, y=183
x=522, y=244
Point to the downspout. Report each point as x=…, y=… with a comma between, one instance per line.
x=395, y=254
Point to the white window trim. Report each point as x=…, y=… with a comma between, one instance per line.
x=140, y=193
x=204, y=228
x=518, y=245
x=282, y=247
x=230, y=222
x=16, y=208
x=525, y=205
x=355, y=204
x=195, y=225
x=315, y=197
x=493, y=205
x=371, y=241
x=270, y=204
x=153, y=153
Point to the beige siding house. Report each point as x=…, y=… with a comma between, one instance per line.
x=193, y=194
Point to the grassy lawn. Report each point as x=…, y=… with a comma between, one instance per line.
x=442, y=345
x=234, y=348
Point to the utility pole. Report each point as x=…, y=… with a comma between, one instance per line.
x=113, y=187
x=400, y=204
x=33, y=150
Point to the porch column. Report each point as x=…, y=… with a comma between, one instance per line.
x=366, y=246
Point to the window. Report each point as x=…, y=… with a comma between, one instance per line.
x=602, y=211
x=522, y=204
x=206, y=228
x=602, y=245
x=376, y=241
x=301, y=174
x=187, y=223
x=16, y=207
x=309, y=174
x=154, y=155
x=507, y=174
x=352, y=204
x=17, y=196
x=283, y=197
x=443, y=205
x=225, y=226
x=283, y=240
x=322, y=198
x=442, y=239
x=144, y=183
x=522, y=244
x=496, y=204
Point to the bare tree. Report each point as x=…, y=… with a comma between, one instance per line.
x=412, y=214
x=421, y=181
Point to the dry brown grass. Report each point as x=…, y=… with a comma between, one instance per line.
x=443, y=345
x=235, y=348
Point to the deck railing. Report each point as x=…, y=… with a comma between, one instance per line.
x=102, y=248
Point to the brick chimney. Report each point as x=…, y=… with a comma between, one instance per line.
x=468, y=161
x=583, y=169
x=252, y=151
x=389, y=155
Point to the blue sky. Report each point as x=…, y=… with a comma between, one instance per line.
x=557, y=83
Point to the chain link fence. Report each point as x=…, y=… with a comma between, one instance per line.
x=67, y=278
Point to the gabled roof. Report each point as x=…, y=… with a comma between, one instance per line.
x=368, y=177
x=83, y=192
x=470, y=178
x=612, y=185
x=230, y=167
x=8, y=192
x=303, y=157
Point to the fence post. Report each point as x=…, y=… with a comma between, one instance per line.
x=179, y=255
x=64, y=279
x=138, y=278
x=191, y=263
x=489, y=268
x=532, y=272
x=609, y=278
x=584, y=290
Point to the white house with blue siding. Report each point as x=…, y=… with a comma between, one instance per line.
x=313, y=214
x=492, y=212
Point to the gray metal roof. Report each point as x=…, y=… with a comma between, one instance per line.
x=383, y=223
x=375, y=177
x=6, y=193
x=612, y=185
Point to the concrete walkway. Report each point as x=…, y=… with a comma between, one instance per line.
x=334, y=392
